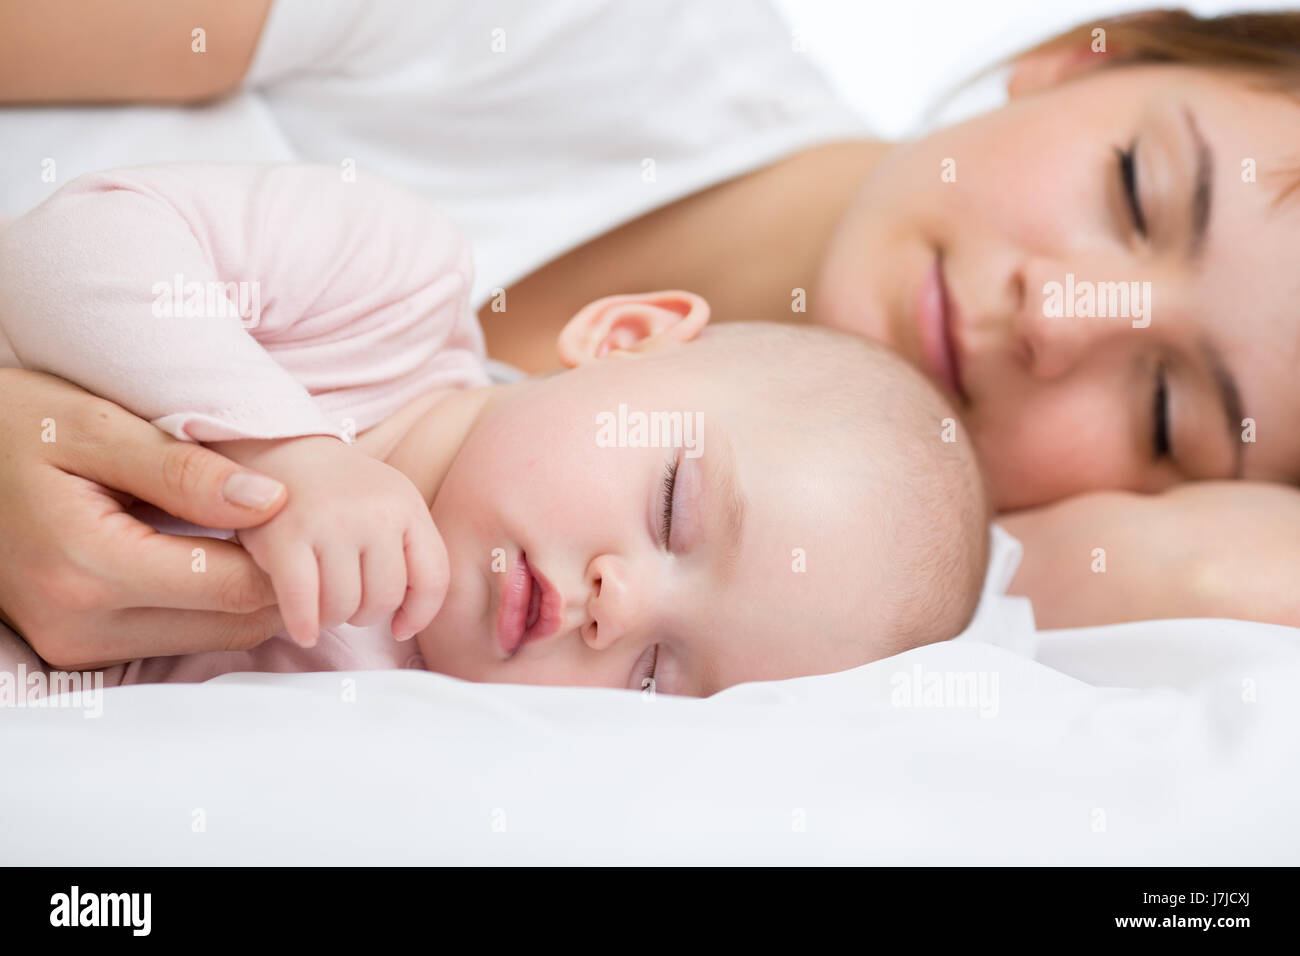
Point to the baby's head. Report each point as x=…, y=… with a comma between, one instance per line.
x=742, y=502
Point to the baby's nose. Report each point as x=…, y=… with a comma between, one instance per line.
x=612, y=607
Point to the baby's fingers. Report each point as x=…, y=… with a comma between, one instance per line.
x=340, y=583
x=383, y=573
x=296, y=578
x=427, y=579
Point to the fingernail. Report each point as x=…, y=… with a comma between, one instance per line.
x=250, y=490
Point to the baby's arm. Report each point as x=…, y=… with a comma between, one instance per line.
x=353, y=298
x=87, y=285
x=239, y=301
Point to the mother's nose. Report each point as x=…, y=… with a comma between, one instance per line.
x=614, y=606
x=1061, y=314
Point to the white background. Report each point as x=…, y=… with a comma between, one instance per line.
x=893, y=61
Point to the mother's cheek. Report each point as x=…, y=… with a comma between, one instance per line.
x=1034, y=461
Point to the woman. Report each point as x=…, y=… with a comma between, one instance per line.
x=1159, y=161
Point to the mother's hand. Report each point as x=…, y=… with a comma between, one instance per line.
x=86, y=583
x=1201, y=549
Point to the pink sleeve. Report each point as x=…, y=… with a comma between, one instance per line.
x=237, y=301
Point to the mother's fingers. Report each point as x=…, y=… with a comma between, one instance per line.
x=114, y=448
x=191, y=573
x=163, y=632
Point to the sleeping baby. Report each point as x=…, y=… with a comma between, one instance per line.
x=685, y=507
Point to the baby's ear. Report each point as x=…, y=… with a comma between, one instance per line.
x=624, y=324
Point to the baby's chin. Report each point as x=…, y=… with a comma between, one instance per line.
x=433, y=646
x=451, y=643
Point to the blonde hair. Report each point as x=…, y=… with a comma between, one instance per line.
x=1268, y=43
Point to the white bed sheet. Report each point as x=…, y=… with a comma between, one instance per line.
x=1189, y=758
x=1164, y=742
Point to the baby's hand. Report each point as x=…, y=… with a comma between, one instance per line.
x=355, y=542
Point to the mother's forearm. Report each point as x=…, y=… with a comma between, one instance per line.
x=70, y=51
x=1203, y=549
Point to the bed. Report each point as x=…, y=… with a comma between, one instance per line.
x=1168, y=742
x=1092, y=753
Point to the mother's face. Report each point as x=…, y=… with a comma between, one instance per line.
x=1035, y=194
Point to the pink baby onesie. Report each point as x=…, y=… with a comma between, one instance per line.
x=241, y=301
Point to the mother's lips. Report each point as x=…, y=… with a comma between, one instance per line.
x=936, y=318
x=531, y=608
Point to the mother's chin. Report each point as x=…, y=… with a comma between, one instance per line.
x=846, y=300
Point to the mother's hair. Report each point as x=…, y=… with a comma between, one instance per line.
x=1263, y=48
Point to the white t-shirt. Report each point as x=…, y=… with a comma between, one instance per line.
x=535, y=125
x=538, y=126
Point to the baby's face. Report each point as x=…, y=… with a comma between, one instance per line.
x=586, y=552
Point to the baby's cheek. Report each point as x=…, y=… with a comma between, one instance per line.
x=446, y=647
x=457, y=641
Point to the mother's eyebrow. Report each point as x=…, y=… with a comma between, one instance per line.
x=1203, y=191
